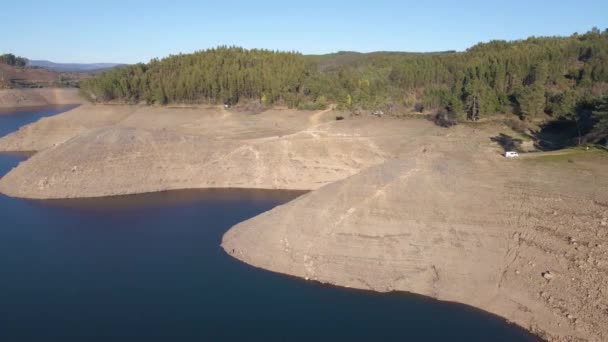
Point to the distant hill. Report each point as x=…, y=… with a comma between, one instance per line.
x=20, y=72
x=72, y=67
x=28, y=77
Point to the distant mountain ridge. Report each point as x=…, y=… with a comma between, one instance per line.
x=72, y=67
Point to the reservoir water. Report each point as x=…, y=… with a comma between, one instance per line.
x=150, y=268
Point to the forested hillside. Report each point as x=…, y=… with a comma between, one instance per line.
x=552, y=75
x=221, y=75
x=16, y=73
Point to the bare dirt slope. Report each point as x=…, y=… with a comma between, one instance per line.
x=17, y=98
x=209, y=122
x=123, y=149
x=449, y=224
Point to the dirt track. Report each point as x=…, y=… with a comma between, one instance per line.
x=400, y=204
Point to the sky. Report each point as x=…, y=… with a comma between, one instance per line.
x=135, y=31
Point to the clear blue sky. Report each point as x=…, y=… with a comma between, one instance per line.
x=135, y=31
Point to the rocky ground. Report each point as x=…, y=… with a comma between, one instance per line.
x=398, y=204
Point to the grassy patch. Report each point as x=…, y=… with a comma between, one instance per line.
x=571, y=155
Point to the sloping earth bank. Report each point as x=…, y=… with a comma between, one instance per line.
x=112, y=150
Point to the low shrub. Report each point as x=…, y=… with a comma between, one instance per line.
x=445, y=118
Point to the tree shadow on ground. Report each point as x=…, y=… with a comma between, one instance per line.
x=507, y=142
x=557, y=134
x=568, y=130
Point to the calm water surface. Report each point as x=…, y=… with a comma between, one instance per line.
x=150, y=268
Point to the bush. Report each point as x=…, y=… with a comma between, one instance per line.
x=251, y=106
x=445, y=118
x=317, y=105
x=517, y=126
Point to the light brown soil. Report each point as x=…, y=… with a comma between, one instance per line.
x=399, y=204
x=18, y=98
x=455, y=225
x=128, y=149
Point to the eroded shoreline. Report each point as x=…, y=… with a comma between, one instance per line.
x=484, y=229
x=37, y=97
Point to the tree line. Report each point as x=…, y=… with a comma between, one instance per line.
x=220, y=75
x=10, y=59
x=529, y=78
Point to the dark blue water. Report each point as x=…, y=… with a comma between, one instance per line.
x=150, y=268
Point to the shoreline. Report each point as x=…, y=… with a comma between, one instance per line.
x=462, y=238
x=364, y=298
x=27, y=154
x=536, y=335
x=185, y=148
x=11, y=99
x=174, y=197
x=8, y=111
x=346, y=235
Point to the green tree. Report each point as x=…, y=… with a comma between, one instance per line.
x=13, y=60
x=599, y=132
x=563, y=104
x=488, y=78
x=531, y=101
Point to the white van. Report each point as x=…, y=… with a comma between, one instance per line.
x=511, y=154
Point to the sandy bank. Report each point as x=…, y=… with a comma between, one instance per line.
x=19, y=98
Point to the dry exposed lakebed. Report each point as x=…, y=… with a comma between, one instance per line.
x=396, y=204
